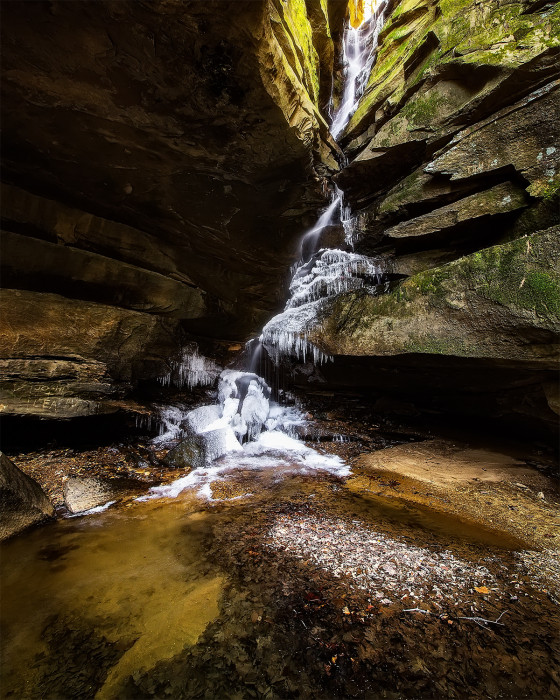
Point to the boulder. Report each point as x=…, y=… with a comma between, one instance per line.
x=501, y=302
x=22, y=501
x=200, y=418
x=84, y=493
x=197, y=451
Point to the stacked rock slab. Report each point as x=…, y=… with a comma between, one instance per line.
x=453, y=177
x=159, y=160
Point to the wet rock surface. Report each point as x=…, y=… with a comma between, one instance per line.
x=452, y=153
x=82, y=494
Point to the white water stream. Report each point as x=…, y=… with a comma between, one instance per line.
x=359, y=52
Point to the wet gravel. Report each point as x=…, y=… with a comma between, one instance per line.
x=389, y=568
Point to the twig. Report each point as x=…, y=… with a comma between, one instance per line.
x=480, y=621
x=426, y=612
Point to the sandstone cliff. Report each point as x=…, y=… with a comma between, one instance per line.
x=159, y=162
x=453, y=150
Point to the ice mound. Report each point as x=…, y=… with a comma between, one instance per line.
x=329, y=273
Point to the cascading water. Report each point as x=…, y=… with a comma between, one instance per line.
x=359, y=53
x=246, y=427
x=322, y=274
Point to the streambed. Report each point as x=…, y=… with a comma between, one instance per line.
x=285, y=585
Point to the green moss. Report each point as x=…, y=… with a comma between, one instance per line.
x=424, y=109
x=481, y=33
x=545, y=189
x=431, y=345
x=300, y=50
x=409, y=189
x=523, y=274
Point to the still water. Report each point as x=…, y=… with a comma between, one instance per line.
x=247, y=597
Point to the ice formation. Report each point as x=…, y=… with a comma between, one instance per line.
x=191, y=369
x=329, y=273
x=170, y=420
x=322, y=274
x=245, y=430
x=252, y=432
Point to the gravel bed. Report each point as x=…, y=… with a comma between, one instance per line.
x=388, y=568
x=544, y=570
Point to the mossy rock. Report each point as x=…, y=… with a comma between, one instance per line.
x=491, y=39
x=500, y=302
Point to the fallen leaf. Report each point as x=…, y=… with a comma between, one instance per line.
x=481, y=589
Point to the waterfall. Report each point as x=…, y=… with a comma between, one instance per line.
x=324, y=273
x=328, y=217
x=245, y=418
x=359, y=53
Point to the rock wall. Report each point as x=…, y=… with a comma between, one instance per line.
x=159, y=160
x=453, y=175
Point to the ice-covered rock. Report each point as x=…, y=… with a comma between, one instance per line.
x=199, y=450
x=245, y=398
x=200, y=419
x=254, y=410
x=171, y=419
x=329, y=273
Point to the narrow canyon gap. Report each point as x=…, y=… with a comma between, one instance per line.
x=279, y=350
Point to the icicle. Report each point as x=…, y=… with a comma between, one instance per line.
x=191, y=370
